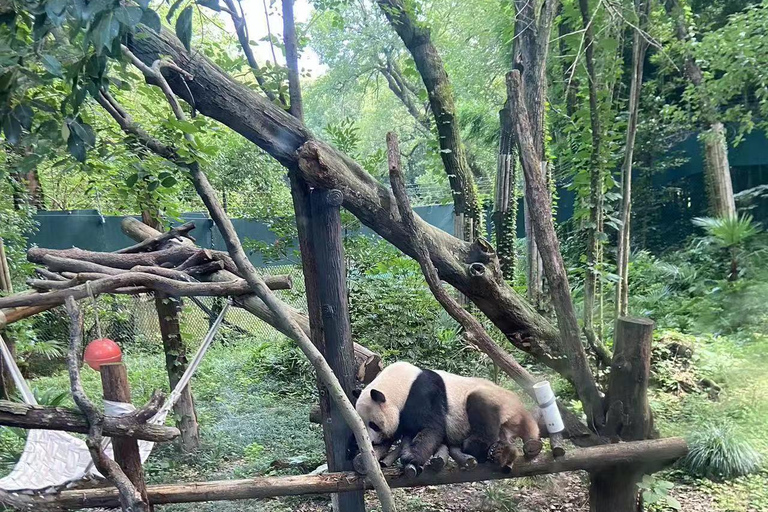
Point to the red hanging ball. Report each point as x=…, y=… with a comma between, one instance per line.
x=102, y=351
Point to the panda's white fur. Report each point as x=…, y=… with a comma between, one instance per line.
x=395, y=383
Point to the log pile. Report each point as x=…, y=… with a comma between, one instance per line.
x=167, y=262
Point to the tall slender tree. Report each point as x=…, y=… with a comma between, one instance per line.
x=639, y=48
x=717, y=167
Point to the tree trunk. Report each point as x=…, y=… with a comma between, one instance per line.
x=505, y=200
x=720, y=186
x=639, y=47
x=722, y=203
x=337, y=347
x=537, y=193
x=114, y=382
x=532, y=34
x=218, y=96
x=176, y=364
x=175, y=355
x=629, y=415
x=595, y=227
x=452, y=152
x=535, y=276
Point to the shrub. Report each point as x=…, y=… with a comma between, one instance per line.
x=719, y=451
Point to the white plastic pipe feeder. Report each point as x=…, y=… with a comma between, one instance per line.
x=551, y=414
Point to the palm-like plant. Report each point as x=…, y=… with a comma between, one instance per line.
x=730, y=233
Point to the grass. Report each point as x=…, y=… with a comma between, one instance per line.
x=253, y=396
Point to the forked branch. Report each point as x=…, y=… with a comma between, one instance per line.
x=130, y=498
x=281, y=312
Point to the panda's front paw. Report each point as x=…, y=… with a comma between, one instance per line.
x=502, y=453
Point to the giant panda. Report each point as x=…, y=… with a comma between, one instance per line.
x=426, y=409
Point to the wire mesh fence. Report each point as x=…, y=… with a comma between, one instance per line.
x=132, y=320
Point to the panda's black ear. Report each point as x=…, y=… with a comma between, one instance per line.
x=378, y=396
x=356, y=393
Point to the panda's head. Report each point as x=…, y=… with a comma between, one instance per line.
x=381, y=418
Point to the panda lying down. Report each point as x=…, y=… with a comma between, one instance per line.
x=426, y=409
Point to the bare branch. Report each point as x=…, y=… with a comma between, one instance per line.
x=129, y=497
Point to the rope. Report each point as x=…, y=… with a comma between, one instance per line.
x=192, y=368
x=95, y=308
x=18, y=378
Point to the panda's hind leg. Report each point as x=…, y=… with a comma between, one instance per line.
x=484, y=422
x=526, y=428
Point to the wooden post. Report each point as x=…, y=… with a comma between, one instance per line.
x=176, y=365
x=6, y=383
x=114, y=381
x=338, y=350
x=628, y=415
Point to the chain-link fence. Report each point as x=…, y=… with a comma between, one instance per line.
x=132, y=320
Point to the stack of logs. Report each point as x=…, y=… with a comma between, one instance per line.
x=169, y=263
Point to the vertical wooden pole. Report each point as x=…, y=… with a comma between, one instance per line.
x=628, y=415
x=6, y=383
x=176, y=365
x=114, y=381
x=338, y=349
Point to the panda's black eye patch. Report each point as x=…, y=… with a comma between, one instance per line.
x=374, y=426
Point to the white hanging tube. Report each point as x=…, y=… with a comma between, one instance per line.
x=548, y=405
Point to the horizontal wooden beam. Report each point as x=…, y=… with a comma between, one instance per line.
x=652, y=454
x=14, y=414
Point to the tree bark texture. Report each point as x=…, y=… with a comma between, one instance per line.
x=532, y=34
x=505, y=199
x=176, y=364
x=639, y=47
x=337, y=331
x=114, y=381
x=430, y=66
x=540, y=205
x=595, y=227
x=657, y=452
x=720, y=185
x=14, y=414
x=629, y=415
x=218, y=96
x=718, y=171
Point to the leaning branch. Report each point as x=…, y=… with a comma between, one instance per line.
x=241, y=28
x=430, y=66
x=474, y=331
x=129, y=279
x=289, y=141
x=281, y=312
x=540, y=207
x=128, y=497
x=154, y=243
x=14, y=414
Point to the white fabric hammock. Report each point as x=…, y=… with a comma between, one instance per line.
x=53, y=460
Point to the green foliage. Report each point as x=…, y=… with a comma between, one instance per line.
x=394, y=313
x=729, y=231
x=655, y=493
x=720, y=451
